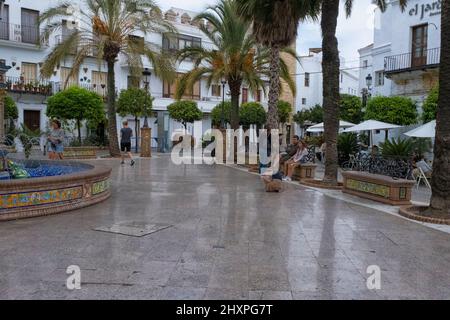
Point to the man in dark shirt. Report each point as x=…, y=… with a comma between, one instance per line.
x=290, y=151
x=125, y=142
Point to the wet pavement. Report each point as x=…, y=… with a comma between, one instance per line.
x=228, y=240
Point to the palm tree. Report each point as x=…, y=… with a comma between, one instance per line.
x=275, y=24
x=440, y=182
x=107, y=28
x=236, y=56
x=331, y=66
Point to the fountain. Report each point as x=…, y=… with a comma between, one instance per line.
x=30, y=188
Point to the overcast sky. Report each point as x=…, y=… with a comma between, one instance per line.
x=353, y=33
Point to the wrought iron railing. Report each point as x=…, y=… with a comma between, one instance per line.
x=406, y=61
x=30, y=86
x=20, y=33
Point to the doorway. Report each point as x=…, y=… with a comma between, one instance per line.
x=419, y=45
x=32, y=119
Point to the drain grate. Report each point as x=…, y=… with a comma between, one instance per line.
x=133, y=229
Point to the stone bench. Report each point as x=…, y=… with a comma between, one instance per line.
x=378, y=187
x=305, y=171
x=84, y=153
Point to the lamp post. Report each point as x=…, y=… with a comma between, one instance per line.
x=146, y=131
x=3, y=69
x=366, y=92
x=222, y=120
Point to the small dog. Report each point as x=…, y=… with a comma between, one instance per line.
x=272, y=185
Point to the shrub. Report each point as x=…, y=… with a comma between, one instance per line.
x=314, y=115
x=76, y=104
x=252, y=113
x=284, y=111
x=216, y=113
x=185, y=112
x=397, y=148
x=347, y=145
x=11, y=111
x=351, y=109
x=430, y=106
x=136, y=102
x=397, y=110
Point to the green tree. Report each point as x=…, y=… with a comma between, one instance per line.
x=284, y=111
x=252, y=113
x=397, y=110
x=11, y=111
x=275, y=25
x=114, y=25
x=313, y=115
x=76, y=104
x=237, y=57
x=136, y=102
x=216, y=113
x=430, y=106
x=351, y=109
x=185, y=112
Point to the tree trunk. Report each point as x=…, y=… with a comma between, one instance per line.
x=330, y=66
x=79, y=131
x=112, y=121
x=275, y=86
x=235, y=91
x=440, y=182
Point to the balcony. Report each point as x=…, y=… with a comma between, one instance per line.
x=92, y=52
x=407, y=62
x=21, y=86
x=20, y=34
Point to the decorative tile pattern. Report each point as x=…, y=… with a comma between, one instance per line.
x=100, y=187
x=28, y=199
x=367, y=187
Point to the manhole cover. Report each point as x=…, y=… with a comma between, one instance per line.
x=133, y=229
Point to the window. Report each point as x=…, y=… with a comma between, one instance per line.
x=133, y=82
x=244, y=95
x=73, y=80
x=307, y=79
x=303, y=101
x=365, y=64
x=216, y=90
x=379, y=78
x=258, y=95
x=4, y=24
x=29, y=71
x=179, y=42
x=29, y=27
x=419, y=45
x=137, y=43
x=170, y=88
x=100, y=82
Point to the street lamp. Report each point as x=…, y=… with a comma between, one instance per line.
x=146, y=73
x=366, y=91
x=222, y=120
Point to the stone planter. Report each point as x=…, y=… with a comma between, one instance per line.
x=305, y=171
x=378, y=188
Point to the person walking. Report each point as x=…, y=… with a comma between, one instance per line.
x=125, y=142
x=56, y=141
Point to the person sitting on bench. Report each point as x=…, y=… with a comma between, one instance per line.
x=299, y=158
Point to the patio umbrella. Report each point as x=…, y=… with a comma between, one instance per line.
x=372, y=125
x=426, y=131
x=320, y=127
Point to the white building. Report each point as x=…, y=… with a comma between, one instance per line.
x=310, y=80
x=404, y=57
x=19, y=37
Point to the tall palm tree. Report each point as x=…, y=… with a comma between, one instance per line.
x=236, y=56
x=331, y=66
x=275, y=24
x=440, y=182
x=107, y=28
